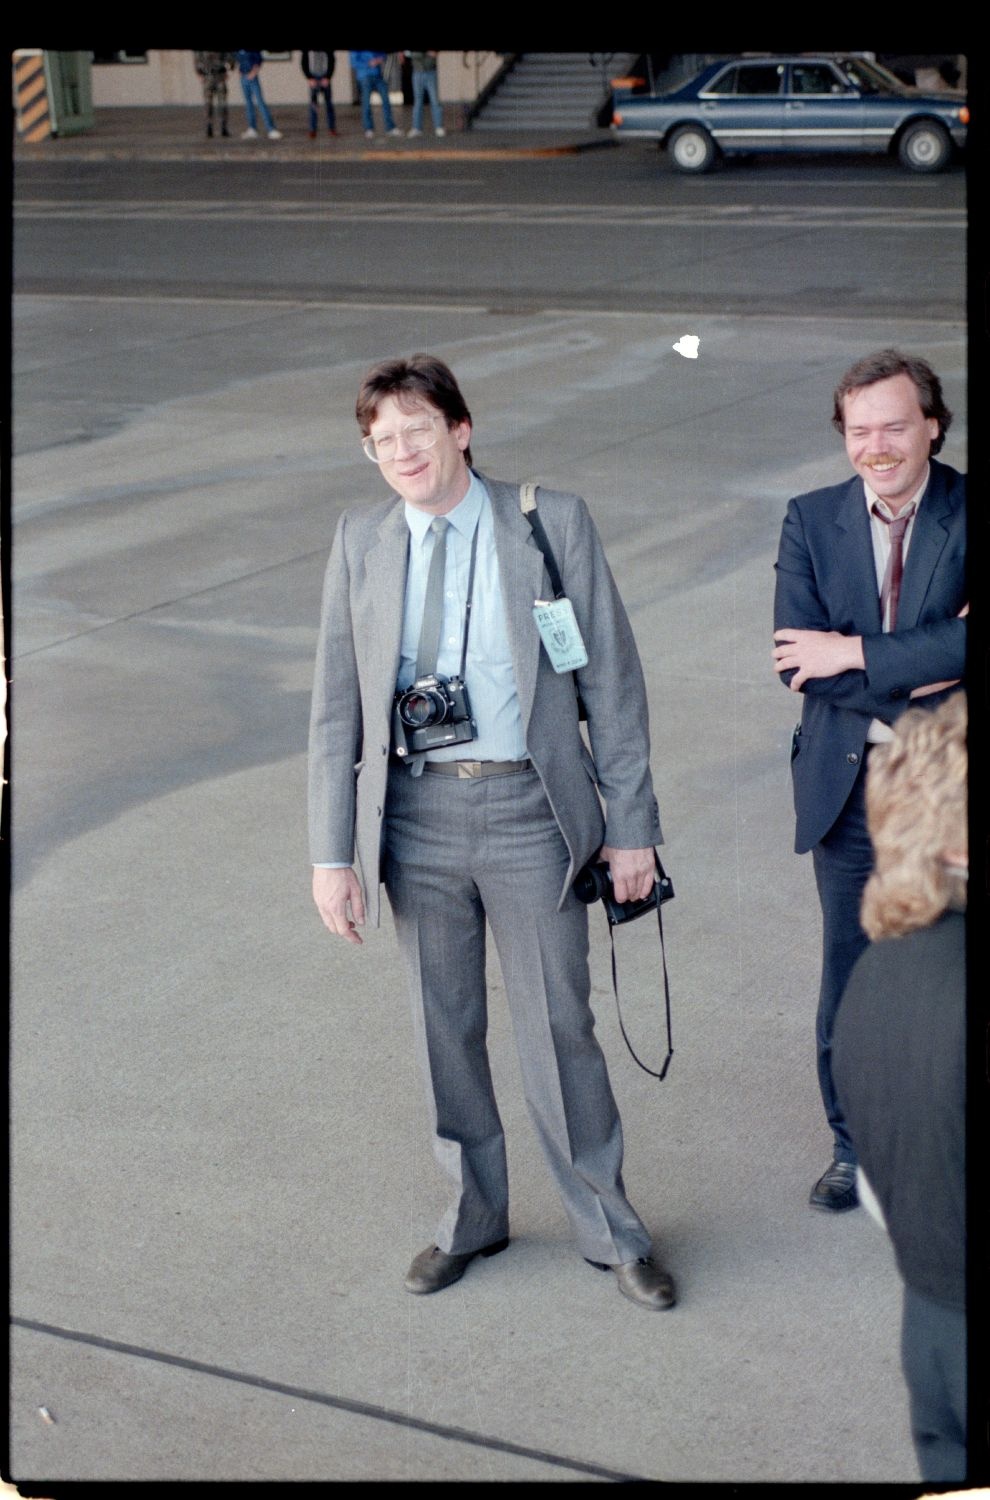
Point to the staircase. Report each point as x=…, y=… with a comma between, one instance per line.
x=551, y=91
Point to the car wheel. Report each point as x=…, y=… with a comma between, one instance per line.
x=692, y=149
x=924, y=147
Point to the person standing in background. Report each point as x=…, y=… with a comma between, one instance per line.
x=424, y=80
x=249, y=65
x=367, y=69
x=318, y=70
x=213, y=68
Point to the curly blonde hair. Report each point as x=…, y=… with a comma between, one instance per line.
x=916, y=813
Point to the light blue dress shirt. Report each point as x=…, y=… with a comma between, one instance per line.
x=489, y=676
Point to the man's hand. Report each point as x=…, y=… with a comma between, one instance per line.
x=334, y=891
x=816, y=653
x=633, y=872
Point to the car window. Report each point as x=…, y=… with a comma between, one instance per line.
x=870, y=78
x=815, y=78
x=725, y=83
x=759, y=78
x=747, y=78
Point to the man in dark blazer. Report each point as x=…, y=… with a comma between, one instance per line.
x=491, y=826
x=869, y=616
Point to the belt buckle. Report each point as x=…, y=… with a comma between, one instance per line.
x=466, y=769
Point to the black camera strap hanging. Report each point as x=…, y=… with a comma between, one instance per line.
x=666, y=991
x=592, y=883
x=470, y=595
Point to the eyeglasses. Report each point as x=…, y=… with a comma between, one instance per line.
x=417, y=435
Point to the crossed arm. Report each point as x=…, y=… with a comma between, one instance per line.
x=827, y=653
x=863, y=673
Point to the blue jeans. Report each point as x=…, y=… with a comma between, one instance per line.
x=425, y=86
x=315, y=90
x=253, y=96
x=369, y=84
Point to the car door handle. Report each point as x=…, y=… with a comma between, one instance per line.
x=794, y=104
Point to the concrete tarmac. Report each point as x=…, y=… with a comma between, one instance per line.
x=220, y=1169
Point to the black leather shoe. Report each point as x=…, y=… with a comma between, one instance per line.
x=643, y=1282
x=835, y=1190
x=433, y=1268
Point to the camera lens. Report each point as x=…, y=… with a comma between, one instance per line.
x=418, y=709
x=591, y=883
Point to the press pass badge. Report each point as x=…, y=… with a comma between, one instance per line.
x=560, y=634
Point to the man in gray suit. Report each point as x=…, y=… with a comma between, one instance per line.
x=494, y=818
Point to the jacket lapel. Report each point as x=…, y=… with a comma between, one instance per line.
x=384, y=596
x=520, y=569
x=929, y=535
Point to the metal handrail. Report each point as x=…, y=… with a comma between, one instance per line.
x=496, y=80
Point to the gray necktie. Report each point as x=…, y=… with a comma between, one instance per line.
x=429, y=635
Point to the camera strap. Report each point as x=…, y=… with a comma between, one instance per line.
x=527, y=504
x=470, y=594
x=666, y=991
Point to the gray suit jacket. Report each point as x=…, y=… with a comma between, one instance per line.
x=357, y=662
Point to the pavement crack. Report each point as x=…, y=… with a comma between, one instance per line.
x=323, y=1398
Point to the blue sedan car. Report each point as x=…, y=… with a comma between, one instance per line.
x=834, y=103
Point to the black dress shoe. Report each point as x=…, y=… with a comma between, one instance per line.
x=433, y=1268
x=835, y=1190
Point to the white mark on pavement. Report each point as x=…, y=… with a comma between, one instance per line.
x=687, y=345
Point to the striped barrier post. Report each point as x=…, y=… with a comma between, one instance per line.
x=31, y=94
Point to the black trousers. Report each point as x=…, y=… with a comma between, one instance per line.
x=843, y=861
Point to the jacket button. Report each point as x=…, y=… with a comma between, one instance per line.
x=897, y=692
x=384, y=749
x=853, y=758
x=379, y=811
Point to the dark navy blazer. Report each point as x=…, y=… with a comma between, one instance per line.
x=826, y=580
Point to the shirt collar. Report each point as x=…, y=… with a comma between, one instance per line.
x=915, y=500
x=463, y=517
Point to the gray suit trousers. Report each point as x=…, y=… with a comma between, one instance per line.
x=455, y=852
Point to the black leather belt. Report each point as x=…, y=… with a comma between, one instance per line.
x=466, y=770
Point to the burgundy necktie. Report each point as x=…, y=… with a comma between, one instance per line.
x=890, y=589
